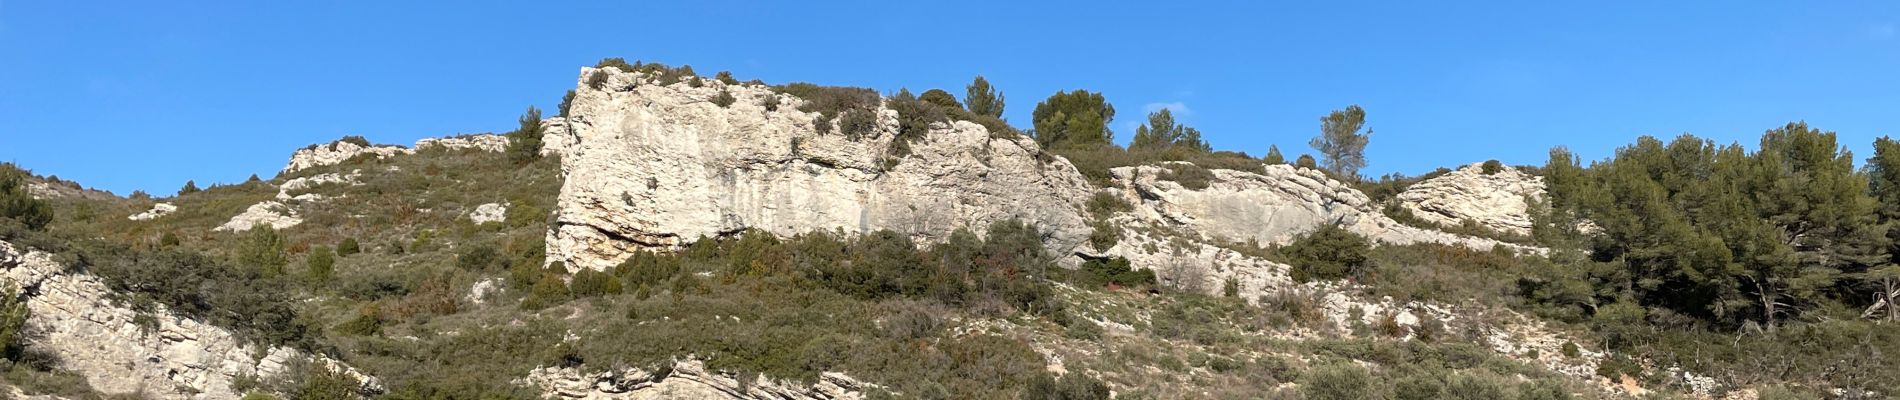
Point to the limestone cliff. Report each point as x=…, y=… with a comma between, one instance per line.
x=164, y=357
x=688, y=379
x=649, y=165
x=336, y=152
x=1498, y=201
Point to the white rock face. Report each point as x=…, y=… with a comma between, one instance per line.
x=72, y=316
x=689, y=379
x=555, y=137
x=491, y=212
x=284, y=192
x=482, y=142
x=660, y=166
x=1500, y=201
x=336, y=152
x=158, y=210
x=1270, y=205
x=278, y=215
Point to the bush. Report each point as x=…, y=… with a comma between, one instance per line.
x=1306, y=161
x=547, y=291
x=348, y=247
x=1329, y=253
x=1418, y=387
x=477, y=257
x=589, y=283
x=771, y=103
x=1336, y=382
x=1104, y=236
x=1492, y=167
x=830, y=101
x=356, y=140
x=1114, y=271
x=16, y=203
x=725, y=77
x=1231, y=288
x=1190, y=176
x=1104, y=204
x=263, y=250
x=321, y=265
x=724, y=99
x=857, y=123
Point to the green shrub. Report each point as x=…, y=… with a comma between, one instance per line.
x=320, y=382
x=1329, y=253
x=17, y=204
x=567, y=102
x=1492, y=167
x=354, y=139
x=771, y=103
x=1418, y=387
x=1113, y=271
x=190, y=187
x=1231, y=288
x=524, y=143
x=857, y=123
x=724, y=99
x=590, y=283
x=1477, y=387
x=1337, y=382
x=1104, y=204
x=1306, y=161
x=1104, y=235
x=830, y=101
x=477, y=257
x=348, y=247
x=549, y=290
x=321, y=265
x=263, y=249
x=367, y=322
x=725, y=77
x=1190, y=176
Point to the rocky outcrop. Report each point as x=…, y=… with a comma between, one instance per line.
x=1270, y=205
x=158, y=210
x=656, y=166
x=555, y=136
x=120, y=350
x=1498, y=201
x=304, y=183
x=687, y=379
x=486, y=213
x=275, y=214
x=336, y=152
x=482, y=142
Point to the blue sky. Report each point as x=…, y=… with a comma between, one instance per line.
x=145, y=95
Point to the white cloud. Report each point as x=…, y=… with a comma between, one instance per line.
x=1178, y=108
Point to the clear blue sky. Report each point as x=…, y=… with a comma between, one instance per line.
x=145, y=95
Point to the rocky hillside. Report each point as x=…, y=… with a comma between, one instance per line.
x=689, y=237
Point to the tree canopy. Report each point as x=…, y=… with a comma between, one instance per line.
x=1341, y=146
x=1076, y=118
x=983, y=99
x=1162, y=133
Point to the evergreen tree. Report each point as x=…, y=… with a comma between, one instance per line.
x=1162, y=133
x=941, y=99
x=190, y=187
x=1273, y=156
x=524, y=144
x=1306, y=161
x=982, y=99
x=16, y=203
x=1075, y=119
x=321, y=264
x=1340, y=143
x=263, y=249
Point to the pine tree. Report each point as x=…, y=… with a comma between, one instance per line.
x=525, y=142
x=1076, y=119
x=982, y=99
x=1273, y=156
x=263, y=249
x=16, y=203
x=1162, y=133
x=1340, y=143
x=190, y=187
x=321, y=265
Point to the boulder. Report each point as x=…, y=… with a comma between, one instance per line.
x=1498, y=201
x=158, y=210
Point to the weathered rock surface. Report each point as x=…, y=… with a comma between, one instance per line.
x=486, y=213
x=481, y=142
x=555, y=137
x=688, y=379
x=304, y=183
x=277, y=215
x=158, y=210
x=337, y=152
x=1499, y=201
x=1270, y=205
x=169, y=357
x=652, y=166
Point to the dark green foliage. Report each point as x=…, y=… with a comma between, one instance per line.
x=1340, y=142
x=1390, y=185
x=832, y=102
x=478, y=257
x=524, y=143
x=983, y=99
x=190, y=187
x=858, y=123
x=13, y=314
x=1231, y=288
x=1273, y=156
x=263, y=250
x=940, y=98
x=1112, y=271
x=725, y=77
x=1492, y=167
x=724, y=99
x=1072, y=386
x=914, y=118
x=320, y=266
x=1104, y=235
x=243, y=298
x=356, y=140
x=1418, y=387
x=1328, y=253
x=17, y=204
x=771, y=103
x=1190, y=176
x=1161, y=132
x=1076, y=119
x=169, y=239
x=589, y=283
x=1306, y=161
x=320, y=382
x=348, y=247
x=1105, y=204
x=548, y=290
x=368, y=321
x=1096, y=162
x=567, y=103
x=1336, y=382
